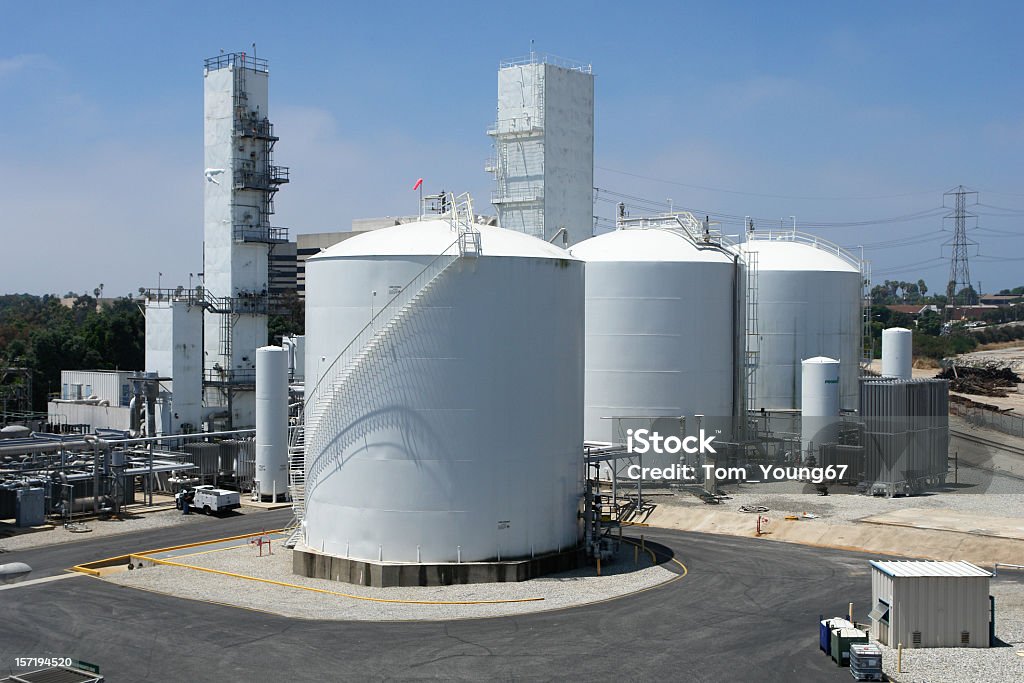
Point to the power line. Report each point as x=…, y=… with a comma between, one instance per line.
x=930, y=264
x=655, y=206
x=760, y=194
x=959, y=268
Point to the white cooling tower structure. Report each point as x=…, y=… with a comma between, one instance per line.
x=272, y=421
x=451, y=428
x=808, y=303
x=819, y=415
x=897, y=353
x=543, y=137
x=661, y=328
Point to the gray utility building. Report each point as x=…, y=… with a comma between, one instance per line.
x=930, y=604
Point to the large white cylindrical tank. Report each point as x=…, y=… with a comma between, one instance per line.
x=660, y=329
x=460, y=437
x=272, y=420
x=809, y=298
x=897, y=353
x=819, y=412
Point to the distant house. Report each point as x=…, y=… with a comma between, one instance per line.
x=1000, y=299
x=971, y=312
x=913, y=309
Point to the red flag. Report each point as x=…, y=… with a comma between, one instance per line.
x=418, y=183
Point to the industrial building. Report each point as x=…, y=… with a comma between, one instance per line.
x=930, y=604
x=92, y=398
x=283, y=276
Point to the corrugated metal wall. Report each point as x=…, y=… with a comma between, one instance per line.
x=906, y=432
x=943, y=610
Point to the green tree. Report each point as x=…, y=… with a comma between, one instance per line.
x=930, y=323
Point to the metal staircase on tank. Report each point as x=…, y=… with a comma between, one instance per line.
x=339, y=383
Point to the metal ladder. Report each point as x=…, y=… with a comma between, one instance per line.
x=339, y=384
x=753, y=337
x=867, y=344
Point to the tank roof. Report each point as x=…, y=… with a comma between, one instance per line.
x=821, y=360
x=647, y=244
x=435, y=236
x=784, y=253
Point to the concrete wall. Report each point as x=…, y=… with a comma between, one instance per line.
x=568, y=153
x=174, y=336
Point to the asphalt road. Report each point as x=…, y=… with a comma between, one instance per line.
x=54, y=559
x=747, y=611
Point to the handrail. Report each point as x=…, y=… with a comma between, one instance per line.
x=683, y=223
x=237, y=60
x=386, y=312
x=544, y=58
x=517, y=125
x=812, y=240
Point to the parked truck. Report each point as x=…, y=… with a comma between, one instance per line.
x=209, y=499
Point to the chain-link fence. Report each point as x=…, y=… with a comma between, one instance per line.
x=990, y=419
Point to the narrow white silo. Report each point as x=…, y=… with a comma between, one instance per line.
x=809, y=298
x=271, y=421
x=661, y=328
x=897, y=353
x=819, y=413
x=451, y=431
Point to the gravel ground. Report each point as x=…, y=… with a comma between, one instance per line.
x=976, y=491
x=150, y=520
x=955, y=665
x=567, y=589
x=789, y=499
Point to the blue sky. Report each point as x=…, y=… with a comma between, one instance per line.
x=845, y=115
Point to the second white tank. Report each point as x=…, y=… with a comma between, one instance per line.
x=660, y=337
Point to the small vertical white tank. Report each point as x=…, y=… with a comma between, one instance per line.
x=819, y=390
x=897, y=353
x=271, y=420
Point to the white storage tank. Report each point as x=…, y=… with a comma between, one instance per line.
x=897, y=353
x=271, y=421
x=809, y=303
x=661, y=337
x=458, y=437
x=819, y=412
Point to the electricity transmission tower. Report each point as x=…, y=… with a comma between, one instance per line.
x=958, y=288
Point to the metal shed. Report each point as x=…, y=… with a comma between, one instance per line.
x=930, y=604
